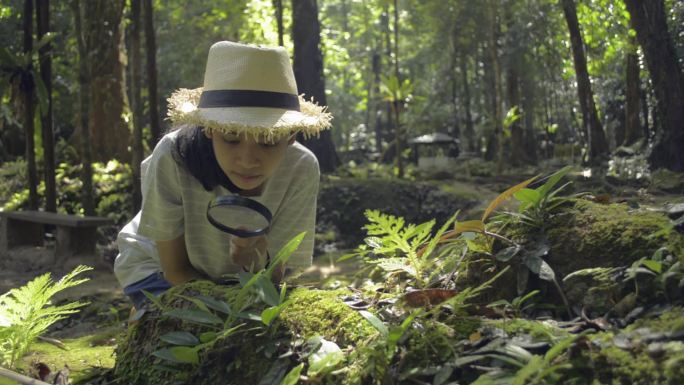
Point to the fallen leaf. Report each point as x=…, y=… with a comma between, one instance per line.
x=428, y=297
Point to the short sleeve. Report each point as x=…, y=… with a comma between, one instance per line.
x=161, y=216
x=298, y=214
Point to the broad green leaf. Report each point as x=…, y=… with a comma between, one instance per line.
x=199, y=303
x=522, y=277
x=527, y=195
x=653, y=265
x=270, y=313
x=292, y=377
x=325, y=359
x=215, y=304
x=196, y=316
x=376, y=322
x=505, y=255
x=553, y=179
x=285, y=252
x=266, y=290
x=207, y=336
x=276, y=373
x=178, y=354
x=283, y=292
x=185, y=354
x=534, y=263
x=180, y=338
x=443, y=375
x=546, y=272
x=504, y=196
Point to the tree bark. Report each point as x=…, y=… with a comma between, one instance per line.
x=648, y=18
x=109, y=133
x=469, y=133
x=596, y=139
x=632, y=124
x=496, y=73
x=47, y=130
x=87, y=196
x=396, y=105
x=278, y=5
x=308, y=70
x=152, y=90
x=136, y=101
x=28, y=88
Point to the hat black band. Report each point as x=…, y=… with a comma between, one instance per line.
x=248, y=98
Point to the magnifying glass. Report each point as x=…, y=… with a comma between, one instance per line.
x=239, y=216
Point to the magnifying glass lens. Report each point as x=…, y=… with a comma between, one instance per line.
x=239, y=216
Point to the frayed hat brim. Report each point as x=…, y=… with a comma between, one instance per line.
x=257, y=121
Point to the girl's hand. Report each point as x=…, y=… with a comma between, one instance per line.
x=249, y=252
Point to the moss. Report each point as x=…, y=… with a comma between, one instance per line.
x=245, y=357
x=588, y=234
x=81, y=354
x=540, y=330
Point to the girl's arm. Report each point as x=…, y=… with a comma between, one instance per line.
x=175, y=264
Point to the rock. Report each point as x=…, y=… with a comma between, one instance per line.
x=594, y=289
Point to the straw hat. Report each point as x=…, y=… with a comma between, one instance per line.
x=248, y=89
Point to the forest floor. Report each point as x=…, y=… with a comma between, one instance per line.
x=90, y=336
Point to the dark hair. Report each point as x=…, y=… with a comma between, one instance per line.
x=195, y=151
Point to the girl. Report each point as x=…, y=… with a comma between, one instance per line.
x=236, y=135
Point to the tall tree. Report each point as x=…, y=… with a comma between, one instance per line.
x=47, y=130
x=397, y=102
x=632, y=130
x=28, y=88
x=136, y=101
x=102, y=28
x=308, y=70
x=598, y=146
x=278, y=5
x=648, y=18
x=152, y=90
x=87, y=196
x=493, y=50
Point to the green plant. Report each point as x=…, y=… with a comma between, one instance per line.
x=224, y=318
x=517, y=305
x=26, y=313
x=537, y=204
x=664, y=269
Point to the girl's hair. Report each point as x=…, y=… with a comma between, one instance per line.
x=195, y=151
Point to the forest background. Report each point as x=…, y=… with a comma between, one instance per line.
x=516, y=81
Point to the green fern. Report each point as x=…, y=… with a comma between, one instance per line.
x=26, y=313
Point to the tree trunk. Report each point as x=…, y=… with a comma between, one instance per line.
x=528, y=99
x=398, y=136
x=28, y=89
x=649, y=21
x=632, y=130
x=87, y=198
x=136, y=101
x=278, y=5
x=308, y=70
x=153, y=95
x=469, y=134
x=377, y=105
x=496, y=72
x=109, y=133
x=598, y=146
x=43, y=24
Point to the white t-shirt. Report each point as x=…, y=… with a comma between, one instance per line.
x=174, y=202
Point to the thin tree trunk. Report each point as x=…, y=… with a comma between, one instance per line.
x=598, y=146
x=87, y=198
x=136, y=102
x=496, y=73
x=308, y=70
x=632, y=124
x=28, y=88
x=469, y=133
x=152, y=90
x=398, y=137
x=43, y=24
x=377, y=63
x=650, y=23
x=278, y=5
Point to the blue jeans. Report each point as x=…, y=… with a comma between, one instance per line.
x=154, y=283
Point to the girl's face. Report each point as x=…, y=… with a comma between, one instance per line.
x=245, y=161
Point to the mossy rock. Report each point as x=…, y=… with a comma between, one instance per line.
x=587, y=235
x=342, y=202
x=247, y=356
x=663, y=180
